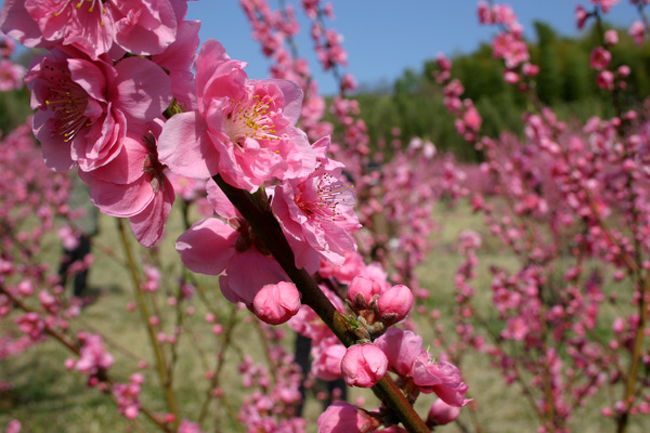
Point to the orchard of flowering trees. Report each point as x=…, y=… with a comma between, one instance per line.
x=290, y=224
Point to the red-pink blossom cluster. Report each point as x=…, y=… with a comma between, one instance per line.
x=272, y=404
x=34, y=203
x=509, y=44
x=126, y=396
x=98, y=106
x=572, y=197
x=93, y=360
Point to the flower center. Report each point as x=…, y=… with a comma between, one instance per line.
x=250, y=119
x=80, y=3
x=328, y=198
x=68, y=101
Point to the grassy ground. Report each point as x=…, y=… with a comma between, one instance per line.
x=46, y=399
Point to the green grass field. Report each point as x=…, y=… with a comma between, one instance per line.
x=47, y=399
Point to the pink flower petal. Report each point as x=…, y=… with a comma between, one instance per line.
x=143, y=89
x=148, y=226
x=89, y=77
x=119, y=200
x=185, y=147
x=56, y=152
x=208, y=246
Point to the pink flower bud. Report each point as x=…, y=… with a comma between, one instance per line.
x=611, y=37
x=14, y=426
x=341, y=417
x=395, y=303
x=530, y=69
x=605, y=80
x=363, y=365
x=623, y=71
x=362, y=290
x=600, y=58
x=581, y=16
x=277, y=303
x=441, y=413
x=637, y=32
x=510, y=77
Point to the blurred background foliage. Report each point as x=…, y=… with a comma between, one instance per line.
x=566, y=83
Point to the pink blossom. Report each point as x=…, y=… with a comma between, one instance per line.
x=69, y=237
x=442, y=378
x=189, y=427
x=516, y=329
x=637, y=32
x=441, y=413
x=95, y=27
x=14, y=426
x=510, y=77
x=352, y=266
x=363, y=365
x=7, y=47
x=581, y=16
x=89, y=28
x=15, y=22
x=341, y=417
x=317, y=215
x=84, y=107
x=135, y=185
x=147, y=27
x=484, y=13
x=31, y=324
x=327, y=356
x=401, y=349
x=242, y=129
x=623, y=71
x=508, y=47
x=178, y=59
x=472, y=118
x=213, y=247
x=600, y=58
x=277, y=303
x=530, y=70
x=93, y=356
x=605, y=80
x=11, y=75
x=611, y=37
x=605, y=5
x=126, y=396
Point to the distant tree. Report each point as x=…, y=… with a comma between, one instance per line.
x=566, y=83
x=578, y=77
x=549, y=84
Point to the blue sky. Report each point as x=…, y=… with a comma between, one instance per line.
x=383, y=37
